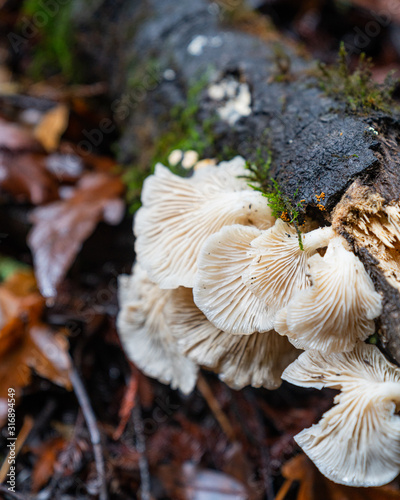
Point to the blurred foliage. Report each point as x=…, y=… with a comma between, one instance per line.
x=53, y=52
x=9, y=266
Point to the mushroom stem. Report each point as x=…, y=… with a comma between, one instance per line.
x=318, y=238
x=390, y=391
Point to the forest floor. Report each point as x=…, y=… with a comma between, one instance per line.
x=65, y=237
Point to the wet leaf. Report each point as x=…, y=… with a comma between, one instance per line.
x=46, y=459
x=61, y=228
x=14, y=137
x=26, y=344
x=24, y=175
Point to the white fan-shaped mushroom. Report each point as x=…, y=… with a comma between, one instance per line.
x=144, y=329
x=278, y=268
x=178, y=214
x=357, y=442
x=219, y=290
x=258, y=359
x=338, y=309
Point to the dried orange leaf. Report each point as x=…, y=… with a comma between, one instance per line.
x=47, y=455
x=25, y=343
x=52, y=126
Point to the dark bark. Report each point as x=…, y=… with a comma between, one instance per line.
x=316, y=145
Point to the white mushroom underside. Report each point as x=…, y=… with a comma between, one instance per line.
x=357, y=442
x=179, y=214
x=145, y=333
x=219, y=290
x=258, y=359
x=278, y=268
x=337, y=310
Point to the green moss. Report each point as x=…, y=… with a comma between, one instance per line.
x=281, y=206
x=9, y=266
x=53, y=52
x=373, y=339
x=282, y=64
x=185, y=132
x=357, y=88
x=146, y=75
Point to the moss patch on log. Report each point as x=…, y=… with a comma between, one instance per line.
x=357, y=88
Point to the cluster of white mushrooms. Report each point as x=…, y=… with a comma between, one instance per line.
x=219, y=283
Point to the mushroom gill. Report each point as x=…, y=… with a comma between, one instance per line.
x=338, y=309
x=145, y=332
x=357, y=442
x=240, y=360
x=178, y=215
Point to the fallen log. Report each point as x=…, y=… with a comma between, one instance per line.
x=260, y=100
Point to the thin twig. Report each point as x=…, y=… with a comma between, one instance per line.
x=128, y=402
x=19, y=442
x=145, y=493
x=215, y=407
x=281, y=495
x=93, y=429
x=16, y=496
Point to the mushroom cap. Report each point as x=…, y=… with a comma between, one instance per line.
x=143, y=327
x=178, y=214
x=357, y=442
x=240, y=360
x=219, y=290
x=338, y=309
x=278, y=268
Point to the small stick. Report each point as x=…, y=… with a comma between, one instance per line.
x=215, y=407
x=283, y=491
x=127, y=405
x=93, y=429
x=12, y=494
x=19, y=443
x=141, y=448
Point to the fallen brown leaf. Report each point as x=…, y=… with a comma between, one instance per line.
x=315, y=486
x=52, y=126
x=26, y=177
x=14, y=137
x=25, y=343
x=61, y=228
x=46, y=458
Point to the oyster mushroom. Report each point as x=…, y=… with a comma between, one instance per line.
x=219, y=290
x=258, y=359
x=279, y=265
x=178, y=214
x=144, y=329
x=338, y=309
x=245, y=275
x=357, y=442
